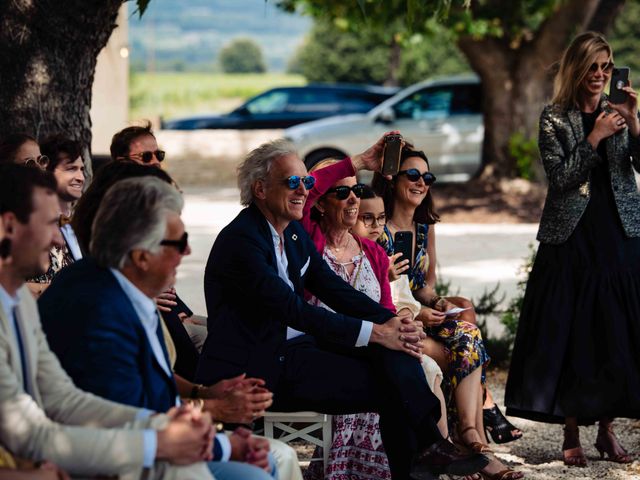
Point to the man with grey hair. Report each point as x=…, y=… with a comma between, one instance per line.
x=358, y=358
x=101, y=320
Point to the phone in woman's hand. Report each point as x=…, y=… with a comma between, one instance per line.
x=619, y=80
x=403, y=242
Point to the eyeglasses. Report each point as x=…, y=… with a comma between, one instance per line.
x=413, y=174
x=147, y=156
x=605, y=67
x=368, y=220
x=342, y=192
x=293, y=182
x=41, y=161
x=180, y=245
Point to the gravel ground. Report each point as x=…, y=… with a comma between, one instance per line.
x=538, y=453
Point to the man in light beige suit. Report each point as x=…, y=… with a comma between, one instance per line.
x=42, y=414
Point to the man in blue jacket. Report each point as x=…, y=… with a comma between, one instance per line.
x=102, y=322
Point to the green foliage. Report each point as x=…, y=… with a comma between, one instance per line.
x=624, y=39
x=332, y=53
x=174, y=94
x=525, y=153
x=430, y=55
x=242, y=55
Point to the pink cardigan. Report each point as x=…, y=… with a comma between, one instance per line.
x=376, y=255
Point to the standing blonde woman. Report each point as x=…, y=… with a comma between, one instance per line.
x=575, y=358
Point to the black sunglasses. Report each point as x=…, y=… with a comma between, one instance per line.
x=180, y=245
x=413, y=174
x=147, y=156
x=605, y=67
x=342, y=192
x=293, y=182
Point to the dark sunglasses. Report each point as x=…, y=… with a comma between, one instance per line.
x=293, y=182
x=413, y=174
x=605, y=67
x=342, y=192
x=146, y=157
x=180, y=245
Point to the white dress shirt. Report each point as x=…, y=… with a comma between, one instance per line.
x=72, y=241
x=283, y=272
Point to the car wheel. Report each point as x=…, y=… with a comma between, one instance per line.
x=322, y=154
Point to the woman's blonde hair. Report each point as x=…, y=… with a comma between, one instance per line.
x=574, y=66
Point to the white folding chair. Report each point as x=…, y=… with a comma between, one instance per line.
x=314, y=421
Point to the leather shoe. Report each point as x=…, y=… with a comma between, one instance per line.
x=444, y=457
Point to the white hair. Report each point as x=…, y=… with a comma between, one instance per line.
x=132, y=215
x=257, y=164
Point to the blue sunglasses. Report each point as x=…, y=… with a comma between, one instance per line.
x=293, y=182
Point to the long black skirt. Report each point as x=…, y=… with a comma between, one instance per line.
x=577, y=351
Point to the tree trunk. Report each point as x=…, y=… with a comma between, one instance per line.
x=49, y=53
x=395, y=55
x=517, y=80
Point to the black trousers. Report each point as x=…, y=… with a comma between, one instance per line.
x=336, y=380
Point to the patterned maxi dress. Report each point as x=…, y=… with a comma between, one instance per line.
x=462, y=340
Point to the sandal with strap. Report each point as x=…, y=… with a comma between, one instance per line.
x=475, y=447
x=605, y=444
x=572, y=452
x=574, y=457
x=498, y=427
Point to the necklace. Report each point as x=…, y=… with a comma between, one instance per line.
x=338, y=249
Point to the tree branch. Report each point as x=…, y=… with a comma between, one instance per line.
x=605, y=15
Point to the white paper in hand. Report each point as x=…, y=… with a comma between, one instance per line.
x=455, y=311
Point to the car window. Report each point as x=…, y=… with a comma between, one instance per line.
x=354, y=102
x=270, y=102
x=439, y=102
x=310, y=100
x=425, y=104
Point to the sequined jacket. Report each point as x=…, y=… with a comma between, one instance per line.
x=568, y=159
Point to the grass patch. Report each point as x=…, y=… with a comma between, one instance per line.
x=154, y=95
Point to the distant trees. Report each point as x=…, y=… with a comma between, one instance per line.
x=242, y=55
x=334, y=53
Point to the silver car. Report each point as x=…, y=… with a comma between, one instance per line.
x=443, y=117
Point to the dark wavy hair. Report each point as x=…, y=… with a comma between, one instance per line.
x=57, y=146
x=425, y=212
x=107, y=175
x=10, y=144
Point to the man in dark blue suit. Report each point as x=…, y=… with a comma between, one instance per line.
x=101, y=320
x=359, y=359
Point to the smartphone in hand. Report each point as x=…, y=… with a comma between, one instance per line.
x=619, y=79
x=392, y=149
x=403, y=243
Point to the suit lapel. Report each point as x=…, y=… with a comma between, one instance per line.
x=292, y=250
x=575, y=119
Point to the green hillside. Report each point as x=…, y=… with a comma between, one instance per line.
x=175, y=35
